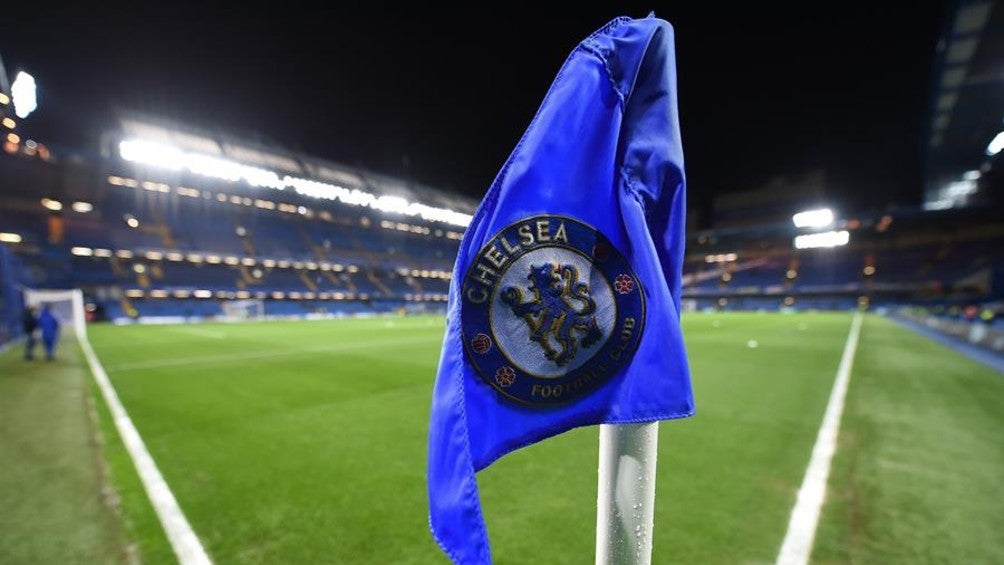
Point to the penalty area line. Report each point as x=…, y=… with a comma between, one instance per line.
x=179, y=532
x=797, y=545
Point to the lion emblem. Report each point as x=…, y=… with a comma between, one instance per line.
x=559, y=313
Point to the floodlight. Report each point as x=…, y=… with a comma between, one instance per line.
x=822, y=239
x=151, y=153
x=960, y=188
x=22, y=90
x=996, y=144
x=813, y=218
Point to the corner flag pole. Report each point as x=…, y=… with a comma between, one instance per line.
x=625, y=502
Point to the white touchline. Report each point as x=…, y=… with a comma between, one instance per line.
x=179, y=532
x=797, y=545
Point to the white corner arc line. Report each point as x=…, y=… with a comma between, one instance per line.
x=179, y=532
x=797, y=545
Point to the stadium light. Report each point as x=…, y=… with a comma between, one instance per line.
x=6, y=237
x=150, y=153
x=820, y=218
x=22, y=90
x=996, y=144
x=938, y=205
x=822, y=239
x=721, y=258
x=172, y=158
x=959, y=188
x=972, y=175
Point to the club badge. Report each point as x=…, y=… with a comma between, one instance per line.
x=550, y=311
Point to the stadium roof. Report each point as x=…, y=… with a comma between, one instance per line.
x=272, y=157
x=966, y=108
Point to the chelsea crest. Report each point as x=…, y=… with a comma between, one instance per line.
x=550, y=310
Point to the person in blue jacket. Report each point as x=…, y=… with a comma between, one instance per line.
x=49, y=325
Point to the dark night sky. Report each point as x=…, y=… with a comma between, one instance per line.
x=442, y=98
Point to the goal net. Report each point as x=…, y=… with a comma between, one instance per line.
x=243, y=310
x=66, y=305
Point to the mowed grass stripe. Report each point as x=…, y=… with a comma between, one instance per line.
x=272, y=458
x=917, y=477
x=244, y=357
x=123, y=347
x=320, y=457
x=184, y=541
x=726, y=477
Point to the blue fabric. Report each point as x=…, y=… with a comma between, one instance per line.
x=48, y=324
x=603, y=151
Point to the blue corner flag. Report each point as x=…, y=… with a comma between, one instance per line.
x=564, y=306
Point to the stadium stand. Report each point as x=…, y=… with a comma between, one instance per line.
x=172, y=223
x=11, y=299
x=940, y=268
x=149, y=239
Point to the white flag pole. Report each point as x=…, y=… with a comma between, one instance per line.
x=625, y=502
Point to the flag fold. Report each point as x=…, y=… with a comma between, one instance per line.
x=564, y=306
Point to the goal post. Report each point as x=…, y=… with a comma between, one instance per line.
x=66, y=305
x=243, y=310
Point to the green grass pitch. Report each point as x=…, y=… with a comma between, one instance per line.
x=305, y=442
